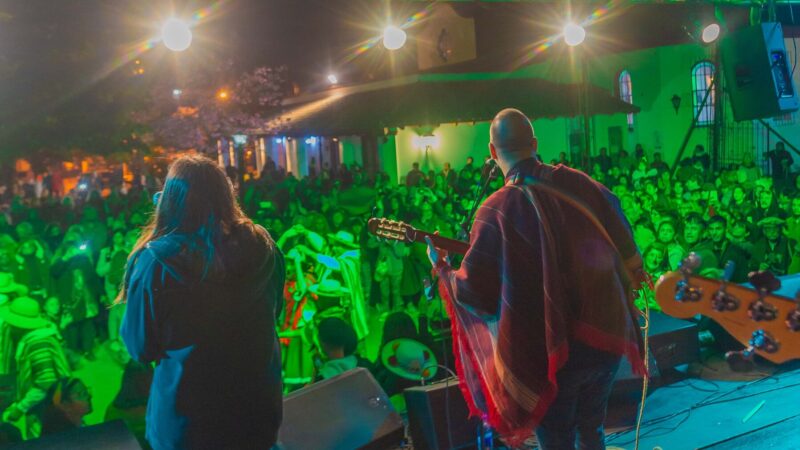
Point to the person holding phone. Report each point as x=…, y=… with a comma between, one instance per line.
x=77, y=288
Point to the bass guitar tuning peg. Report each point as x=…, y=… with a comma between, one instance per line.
x=793, y=318
x=765, y=283
x=685, y=291
x=691, y=263
x=742, y=361
x=722, y=299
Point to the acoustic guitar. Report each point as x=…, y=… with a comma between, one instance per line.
x=766, y=324
x=401, y=231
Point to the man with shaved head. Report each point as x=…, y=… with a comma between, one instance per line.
x=542, y=305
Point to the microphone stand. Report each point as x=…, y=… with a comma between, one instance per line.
x=466, y=226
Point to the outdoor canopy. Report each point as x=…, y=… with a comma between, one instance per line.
x=433, y=99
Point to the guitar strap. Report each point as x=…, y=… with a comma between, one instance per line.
x=526, y=182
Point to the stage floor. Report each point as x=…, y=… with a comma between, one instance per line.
x=704, y=408
x=701, y=412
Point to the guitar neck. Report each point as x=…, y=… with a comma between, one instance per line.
x=400, y=231
x=451, y=245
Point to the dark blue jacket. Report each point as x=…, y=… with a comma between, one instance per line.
x=217, y=381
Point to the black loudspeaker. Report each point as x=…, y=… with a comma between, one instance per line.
x=107, y=436
x=758, y=72
x=673, y=342
x=431, y=407
x=346, y=412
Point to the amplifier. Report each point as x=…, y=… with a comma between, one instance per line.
x=673, y=342
x=435, y=408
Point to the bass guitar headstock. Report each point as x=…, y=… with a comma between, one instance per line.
x=766, y=324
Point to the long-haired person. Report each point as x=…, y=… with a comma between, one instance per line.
x=203, y=286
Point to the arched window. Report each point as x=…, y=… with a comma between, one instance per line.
x=626, y=92
x=702, y=75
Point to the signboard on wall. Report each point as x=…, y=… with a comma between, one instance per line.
x=445, y=38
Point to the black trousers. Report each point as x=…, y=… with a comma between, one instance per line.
x=79, y=335
x=575, y=418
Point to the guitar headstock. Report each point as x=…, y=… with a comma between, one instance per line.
x=765, y=323
x=391, y=229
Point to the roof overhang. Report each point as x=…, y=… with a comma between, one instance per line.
x=433, y=99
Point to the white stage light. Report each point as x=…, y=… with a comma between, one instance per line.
x=711, y=33
x=394, y=38
x=176, y=35
x=574, y=34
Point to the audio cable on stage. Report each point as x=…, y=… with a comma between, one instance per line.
x=646, y=377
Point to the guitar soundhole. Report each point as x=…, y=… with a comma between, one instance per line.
x=760, y=310
x=686, y=292
x=722, y=301
x=793, y=320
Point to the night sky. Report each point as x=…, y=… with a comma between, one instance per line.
x=53, y=51
x=56, y=54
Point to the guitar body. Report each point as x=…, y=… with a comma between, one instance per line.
x=739, y=321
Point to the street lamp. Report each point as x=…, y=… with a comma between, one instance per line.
x=176, y=35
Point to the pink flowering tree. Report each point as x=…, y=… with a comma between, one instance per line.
x=213, y=106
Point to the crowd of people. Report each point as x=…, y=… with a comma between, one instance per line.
x=63, y=256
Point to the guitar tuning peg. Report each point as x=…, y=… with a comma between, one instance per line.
x=691, y=263
x=765, y=281
x=741, y=361
x=730, y=267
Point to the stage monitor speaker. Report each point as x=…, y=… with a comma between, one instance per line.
x=346, y=412
x=430, y=408
x=758, y=72
x=107, y=436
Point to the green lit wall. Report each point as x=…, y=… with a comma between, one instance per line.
x=387, y=157
x=457, y=142
x=350, y=150
x=657, y=75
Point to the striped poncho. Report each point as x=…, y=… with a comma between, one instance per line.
x=548, y=265
x=40, y=363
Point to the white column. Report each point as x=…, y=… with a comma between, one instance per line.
x=261, y=155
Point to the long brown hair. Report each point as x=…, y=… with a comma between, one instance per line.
x=198, y=200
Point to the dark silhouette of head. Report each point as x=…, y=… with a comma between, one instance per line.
x=511, y=138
